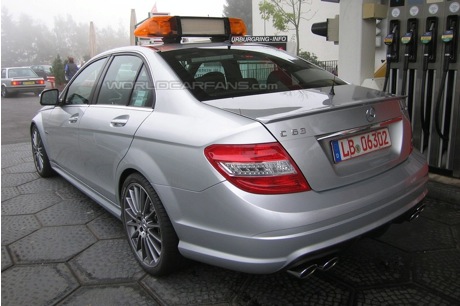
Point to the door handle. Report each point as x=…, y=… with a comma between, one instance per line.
x=73, y=119
x=118, y=122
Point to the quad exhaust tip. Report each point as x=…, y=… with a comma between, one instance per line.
x=305, y=270
x=416, y=213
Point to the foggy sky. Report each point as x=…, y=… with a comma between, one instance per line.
x=109, y=13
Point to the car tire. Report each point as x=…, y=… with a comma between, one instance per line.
x=41, y=160
x=148, y=228
x=5, y=93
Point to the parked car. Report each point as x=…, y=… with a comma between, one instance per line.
x=21, y=79
x=43, y=71
x=237, y=155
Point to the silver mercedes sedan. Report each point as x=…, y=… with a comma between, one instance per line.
x=237, y=155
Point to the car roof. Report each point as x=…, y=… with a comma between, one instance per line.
x=27, y=67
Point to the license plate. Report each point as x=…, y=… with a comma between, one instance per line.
x=28, y=83
x=351, y=147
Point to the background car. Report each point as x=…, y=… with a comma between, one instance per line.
x=21, y=79
x=237, y=155
x=43, y=71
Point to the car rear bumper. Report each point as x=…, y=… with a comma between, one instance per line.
x=226, y=227
x=19, y=89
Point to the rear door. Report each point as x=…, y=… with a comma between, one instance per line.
x=124, y=101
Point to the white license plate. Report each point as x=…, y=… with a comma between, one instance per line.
x=358, y=145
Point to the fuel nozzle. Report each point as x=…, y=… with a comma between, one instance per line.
x=409, y=41
x=392, y=50
x=390, y=40
x=450, y=40
x=428, y=39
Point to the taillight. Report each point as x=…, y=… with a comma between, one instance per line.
x=15, y=83
x=41, y=82
x=257, y=168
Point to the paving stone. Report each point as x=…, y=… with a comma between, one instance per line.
x=420, y=235
x=16, y=179
x=198, y=284
x=71, y=192
x=444, y=192
x=456, y=231
x=10, y=161
x=107, y=261
x=17, y=227
x=9, y=193
x=20, y=147
x=107, y=226
x=370, y=263
x=69, y=212
x=441, y=211
x=52, y=244
x=36, y=285
x=6, y=259
x=44, y=185
x=22, y=168
x=29, y=203
x=284, y=289
x=439, y=270
x=402, y=295
x=17, y=153
x=122, y=295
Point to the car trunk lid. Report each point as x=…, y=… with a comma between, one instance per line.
x=334, y=139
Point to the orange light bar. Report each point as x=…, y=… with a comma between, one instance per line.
x=175, y=27
x=237, y=27
x=158, y=26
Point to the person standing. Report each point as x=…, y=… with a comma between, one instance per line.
x=70, y=69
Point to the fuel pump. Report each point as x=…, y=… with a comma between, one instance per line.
x=410, y=51
x=428, y=40
x=391, y=40
x=450, y=39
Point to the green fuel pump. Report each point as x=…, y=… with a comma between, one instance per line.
x=428, y=40
x=391, y=40
x=410, y=52
x=450, y=38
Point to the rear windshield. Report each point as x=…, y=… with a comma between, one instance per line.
x=213, y=73
x=22, y=73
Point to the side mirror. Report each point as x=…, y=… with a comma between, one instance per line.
x=49, y=97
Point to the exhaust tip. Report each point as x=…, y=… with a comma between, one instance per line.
x=303, y=273
x=416, y=213
x=329, y=264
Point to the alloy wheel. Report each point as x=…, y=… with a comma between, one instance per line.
x=142, y=225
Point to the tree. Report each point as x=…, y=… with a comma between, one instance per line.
x=311, y=57
x=58, y=70
x=284, y=13
x=240, y=9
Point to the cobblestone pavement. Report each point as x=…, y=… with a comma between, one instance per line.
x=61, y=248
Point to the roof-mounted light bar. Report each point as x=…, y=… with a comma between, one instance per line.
x=173, y=28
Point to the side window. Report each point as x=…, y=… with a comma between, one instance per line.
x=143, y=90
x=80, y=90
x=3, y=73
x=119, y=81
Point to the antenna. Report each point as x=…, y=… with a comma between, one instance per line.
x=332, y=92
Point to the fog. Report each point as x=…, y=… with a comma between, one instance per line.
x=109, y=13
x=35, y=32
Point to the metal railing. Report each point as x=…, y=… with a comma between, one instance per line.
x=330, y=66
